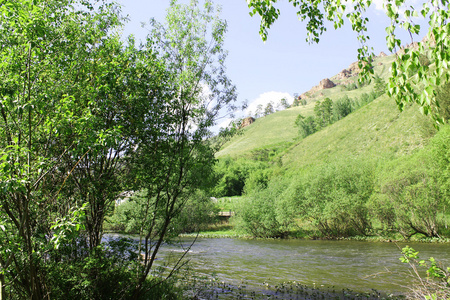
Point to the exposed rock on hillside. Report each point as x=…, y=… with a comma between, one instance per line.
x=343, y=74
x=412, y=46
x=352, y=70
x=326, y=84
x=246, y=122
x=382, y=54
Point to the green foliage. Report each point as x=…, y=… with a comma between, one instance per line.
x=225, y=134
x=327, y=113
x=269, y=109
x=197, y=212
x=257, y=180
x=232, y=175
x=342, y=107
x=334, y=197
x=437, y=283
x=440, y=152
x=324, y=112
x=351, y=87
x=259, y=111
x=105, y=273
x=380, y=86
x=261, y=213
x=85, y=116
x=306, y=126
x=443, y=101
x=284, y=104
x=412, y=80
x=408, y=197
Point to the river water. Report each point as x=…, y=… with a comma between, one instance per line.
x=360, y=266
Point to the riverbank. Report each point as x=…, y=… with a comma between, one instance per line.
x=229, y=231
x=214, y=289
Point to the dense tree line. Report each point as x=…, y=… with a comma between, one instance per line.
x=85, y=116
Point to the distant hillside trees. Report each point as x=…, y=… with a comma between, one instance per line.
x=225, y=134
x=284, y=103
x=269, y=109
x=342, y=107
x=443, y=98
x=259, y=111
x=326, y=112
x=306, y=126
x=298, y=101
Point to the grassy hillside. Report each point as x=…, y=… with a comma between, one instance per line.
x=377, y=172
x=377, y=130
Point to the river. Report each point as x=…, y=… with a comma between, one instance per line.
x=360, y=266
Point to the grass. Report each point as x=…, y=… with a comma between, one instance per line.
x=269, y=130
x=377, y=130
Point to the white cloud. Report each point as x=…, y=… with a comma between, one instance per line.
x=379, y=4
x=265, y=98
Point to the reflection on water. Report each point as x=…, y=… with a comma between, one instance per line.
x=360, y=266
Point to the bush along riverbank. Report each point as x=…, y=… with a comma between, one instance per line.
x=229, y=230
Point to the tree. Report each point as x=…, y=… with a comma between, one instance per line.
x=307, y=126
x=178, y=160
x=411, y=80
x=48, y=115
x=380, y=86
x=342, y=107
x=259, y=111
x=85, y=116
x=324, y=112
x=284, y=104
x=269, y=109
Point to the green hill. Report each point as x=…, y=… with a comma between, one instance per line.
x=376, y=130
x=377, y=172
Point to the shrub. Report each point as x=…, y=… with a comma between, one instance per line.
x=197, y=212
x=335, y=197
x=231, y=175
x=108, y=272
x=264, y=214
x=436, y=284
x=408, y=196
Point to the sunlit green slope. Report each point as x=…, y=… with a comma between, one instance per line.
x=377, y=130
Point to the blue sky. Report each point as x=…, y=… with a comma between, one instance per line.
x=286, y=63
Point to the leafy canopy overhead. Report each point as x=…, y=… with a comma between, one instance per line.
x=416, y=73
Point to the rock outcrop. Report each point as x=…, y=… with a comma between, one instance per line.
x=352, y=70
x=326, y=84
x=246, y=122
